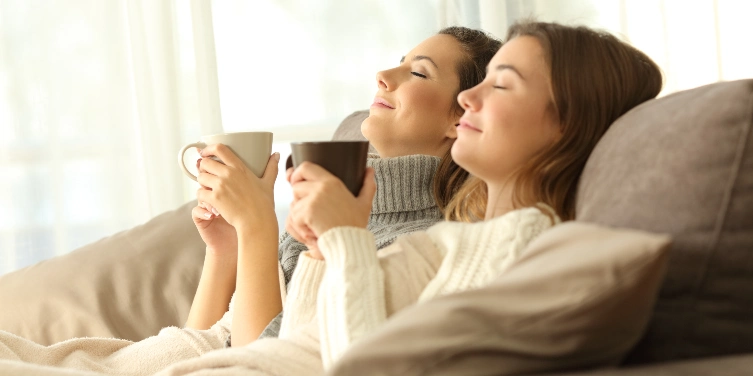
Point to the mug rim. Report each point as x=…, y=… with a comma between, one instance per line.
x=328, y=142
x=235, y=133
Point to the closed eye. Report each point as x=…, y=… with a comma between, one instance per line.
x=418, y=74
x=500, y=87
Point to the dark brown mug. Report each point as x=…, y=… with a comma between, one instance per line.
x=344, y=159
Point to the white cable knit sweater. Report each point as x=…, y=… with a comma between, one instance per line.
x=357, y=288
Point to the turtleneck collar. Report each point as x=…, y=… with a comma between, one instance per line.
x=403, y=183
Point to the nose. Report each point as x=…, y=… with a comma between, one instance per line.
x=385, y=81
x=468, y=100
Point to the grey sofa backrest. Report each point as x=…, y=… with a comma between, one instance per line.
x=683, y=165
x=350, y=129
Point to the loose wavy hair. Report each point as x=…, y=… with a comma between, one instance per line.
x=478, y=49
x=595, y=79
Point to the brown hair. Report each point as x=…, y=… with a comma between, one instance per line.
x=595, y=79
x=479, y=48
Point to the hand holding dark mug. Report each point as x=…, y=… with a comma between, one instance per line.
x=344, y=159
x=320, y=201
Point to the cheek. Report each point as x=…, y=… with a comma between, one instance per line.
x=427, y=113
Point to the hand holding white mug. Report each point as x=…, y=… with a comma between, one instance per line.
x=244, y=200
x=253, y=148
x=236, y=174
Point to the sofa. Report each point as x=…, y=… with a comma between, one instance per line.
x=680, y=166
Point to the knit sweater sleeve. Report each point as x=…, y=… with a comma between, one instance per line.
x=300, y=303
x=360, y=289
x=288, y=253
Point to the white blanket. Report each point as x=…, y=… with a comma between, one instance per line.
x=173, y=352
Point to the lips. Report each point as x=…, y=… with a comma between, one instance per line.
x=382, y=103
x=465, y=125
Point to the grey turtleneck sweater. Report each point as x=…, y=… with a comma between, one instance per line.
x=403, y=203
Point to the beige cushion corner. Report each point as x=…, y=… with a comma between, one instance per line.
x=128, y=285
x=350, y=129
x=579, y=297
x=683, y=165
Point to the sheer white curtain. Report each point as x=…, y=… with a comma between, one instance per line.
x=95, y=99
x=298, y=67
x=695, y=42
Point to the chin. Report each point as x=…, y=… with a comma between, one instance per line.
x=374, y=132
x=462, y=156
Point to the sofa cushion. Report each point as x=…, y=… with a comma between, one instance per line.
x=350, y=129
x=128, y=285
x=580, y=296
x=683, y=165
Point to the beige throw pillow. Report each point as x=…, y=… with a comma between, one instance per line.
x=128, y=285
x=580, y=296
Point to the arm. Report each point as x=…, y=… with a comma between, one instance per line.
x=216, y=287
x=258, y=298
x=246, y=202
x=217, y=282
x=360, y=290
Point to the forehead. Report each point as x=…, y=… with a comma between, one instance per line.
x=445, y=50
x=525, y=54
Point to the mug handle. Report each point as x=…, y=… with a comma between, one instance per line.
x=182, y=163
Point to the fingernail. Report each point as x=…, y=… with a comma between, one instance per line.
x=215, y=211
x=277, y=156
x=207, y=215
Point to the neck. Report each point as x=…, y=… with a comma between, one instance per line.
x=403, y=183
x=499, y=199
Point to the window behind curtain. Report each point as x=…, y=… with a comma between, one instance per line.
x=74, y=136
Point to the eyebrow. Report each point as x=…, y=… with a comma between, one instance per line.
x=502, y=67
x=421, y=57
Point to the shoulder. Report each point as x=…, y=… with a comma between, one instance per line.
x=521, y=223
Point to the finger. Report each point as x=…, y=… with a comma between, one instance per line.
x=295, y=230
x=292, y=230
x=224, y=153
x=213, y=167
x=200, y=214
x=303, y=189
x=211, y=209
x=198, y=164
x=297, y=221
x=205, y=197
x=270, y=173
x=289, y=174
x=368, y=189
x=208, y=180
x=310, y=171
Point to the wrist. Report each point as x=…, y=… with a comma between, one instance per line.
x=257, y=228
x=220, y=260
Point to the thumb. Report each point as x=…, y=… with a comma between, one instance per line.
x=366, y=195
x=270, y=173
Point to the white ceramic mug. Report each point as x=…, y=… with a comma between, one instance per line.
x=253, y=148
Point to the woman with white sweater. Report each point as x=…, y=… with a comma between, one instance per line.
x=549, y=94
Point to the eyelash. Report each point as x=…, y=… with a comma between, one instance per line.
x=418, y=74
x=500, y=87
